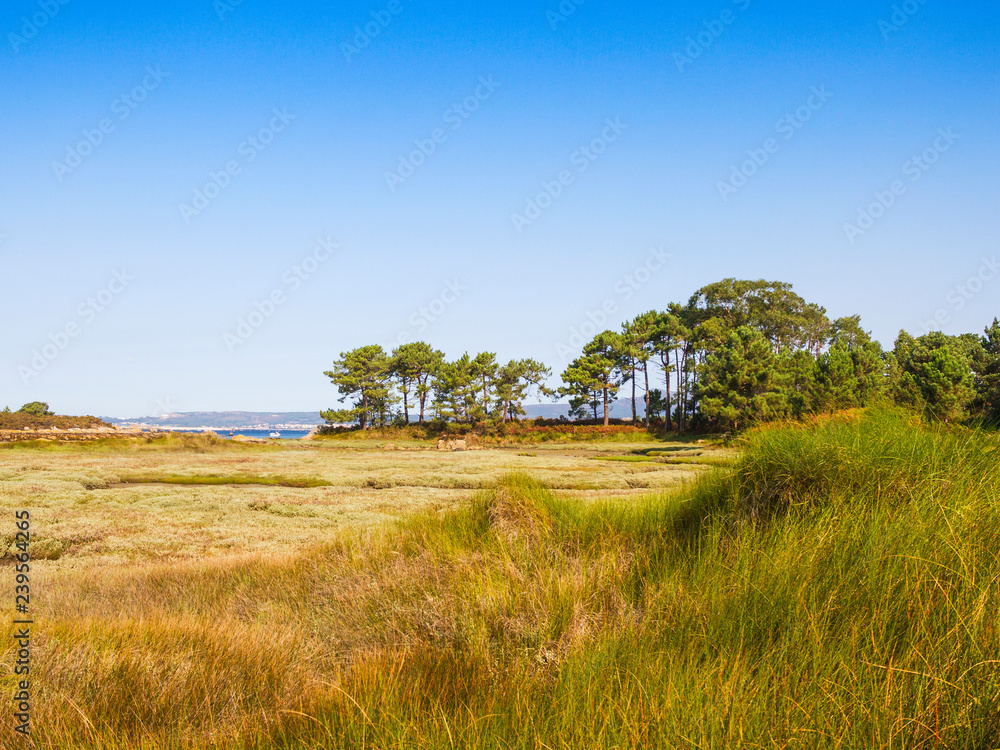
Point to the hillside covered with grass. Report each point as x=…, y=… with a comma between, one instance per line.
x=834, y=587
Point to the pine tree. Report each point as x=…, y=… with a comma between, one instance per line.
x=987, y=382
x=363, y=374
x=741, y=383
x=414, y=365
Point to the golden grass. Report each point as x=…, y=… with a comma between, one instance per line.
x=186, y=497
x=832, y=587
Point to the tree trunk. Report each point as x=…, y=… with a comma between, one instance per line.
x=607, y=412
x=422, y=392
x=670, y=421
x=633, y=391
x=680, y=388
x=406, y=407
x=645, y=371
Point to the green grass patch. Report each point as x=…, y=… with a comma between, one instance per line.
x=625, y=459
x=218, y=479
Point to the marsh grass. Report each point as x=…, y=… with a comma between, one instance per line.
x=835, y=588
x=215, y=479
x=78, y=499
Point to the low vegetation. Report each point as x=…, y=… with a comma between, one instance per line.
x=23, y=421
x=224, y=479
x=172, y=442
x=503, y=434
x=833, y=587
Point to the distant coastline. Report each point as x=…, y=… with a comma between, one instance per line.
x=221, y=421
x=245, y=420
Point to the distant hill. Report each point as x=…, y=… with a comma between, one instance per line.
x=620, y=409
x=226, y=420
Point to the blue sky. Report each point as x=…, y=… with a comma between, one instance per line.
x=478, y=111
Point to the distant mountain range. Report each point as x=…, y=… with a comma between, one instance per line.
x=290, y=420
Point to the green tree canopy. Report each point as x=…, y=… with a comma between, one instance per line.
x=414, y=365
x=638, y=337
x=606, y=360
x=934, y=375
x=456, y=390
x=771, y=307
x=364, y=375
x=514, y=382
x=741, y=383
x=582, y=387
x=35, y=409
x=483, y=371
x=987, y=382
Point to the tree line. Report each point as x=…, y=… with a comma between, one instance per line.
x=737, y=353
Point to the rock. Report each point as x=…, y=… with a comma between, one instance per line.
x=442, y=445
x=389, y=447
x=245, y=439
x=459, y=445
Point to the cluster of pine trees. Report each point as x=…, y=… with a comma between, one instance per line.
x=739, y=352
x=384, y=386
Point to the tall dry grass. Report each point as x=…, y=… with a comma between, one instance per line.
x=837, y=587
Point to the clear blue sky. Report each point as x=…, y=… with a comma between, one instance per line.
x=352, y=107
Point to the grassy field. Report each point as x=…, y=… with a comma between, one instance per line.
x=193, y=497
x=830, y=585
